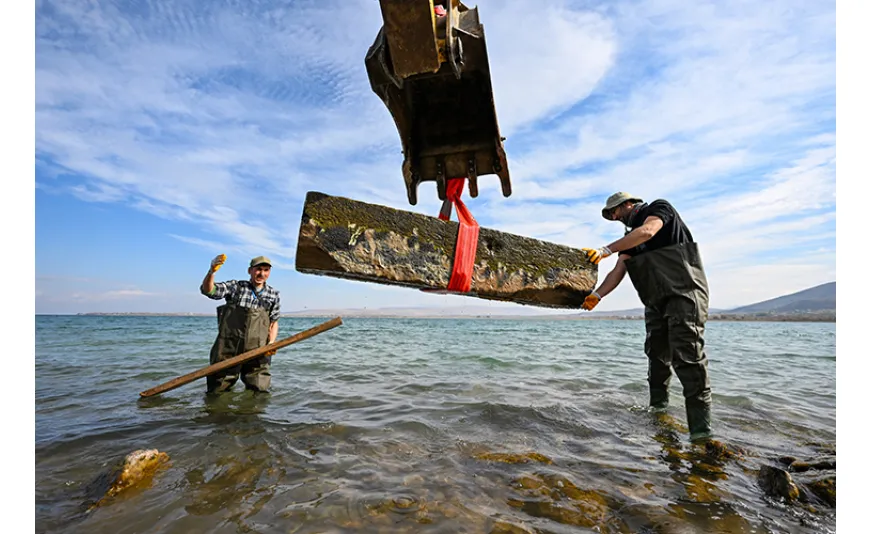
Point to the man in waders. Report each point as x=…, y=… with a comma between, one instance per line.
x=247, y=321
x=664, y=265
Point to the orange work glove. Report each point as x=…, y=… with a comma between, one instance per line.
x=217, y=262
x=596, y=254
x=591, y=301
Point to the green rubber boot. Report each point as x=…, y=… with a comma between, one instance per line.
x=699, y=419
x=658, y=400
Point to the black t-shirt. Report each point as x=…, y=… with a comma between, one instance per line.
x=672, y=232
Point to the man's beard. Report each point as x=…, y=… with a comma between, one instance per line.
x=628, y=218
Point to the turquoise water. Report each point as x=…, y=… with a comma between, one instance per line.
x=416, y=425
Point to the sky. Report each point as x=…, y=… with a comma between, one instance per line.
x=167, y=132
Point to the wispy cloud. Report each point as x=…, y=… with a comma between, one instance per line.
x=119, y=293
x=224, y=114
x=115, y=294
x=56, y=288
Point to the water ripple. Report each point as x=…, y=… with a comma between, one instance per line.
x=379, y=425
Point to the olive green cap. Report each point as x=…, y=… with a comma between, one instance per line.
x=615, y=200
x=259, y=260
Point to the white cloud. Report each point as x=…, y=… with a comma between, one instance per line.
x=120, y=293
x=556, y=59
x=225, y=117
x=115, y=294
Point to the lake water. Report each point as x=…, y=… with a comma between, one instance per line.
x=417, y=425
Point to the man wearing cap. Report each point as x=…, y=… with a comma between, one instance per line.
x=247, y=321
x=664, y=265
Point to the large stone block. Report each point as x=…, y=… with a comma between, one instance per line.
x=345, y=238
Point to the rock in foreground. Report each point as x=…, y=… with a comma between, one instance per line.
x=138, y=469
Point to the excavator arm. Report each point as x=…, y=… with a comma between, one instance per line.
x=428, y=64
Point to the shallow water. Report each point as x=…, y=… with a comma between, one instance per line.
x=415, y=425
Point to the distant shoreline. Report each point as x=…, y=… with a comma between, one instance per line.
x=793, y=317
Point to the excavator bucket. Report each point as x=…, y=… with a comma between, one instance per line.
x=429, y=66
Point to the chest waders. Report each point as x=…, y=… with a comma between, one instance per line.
x=240, y=330
x=671, y=283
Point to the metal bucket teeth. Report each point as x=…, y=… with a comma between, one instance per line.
x=443, y=108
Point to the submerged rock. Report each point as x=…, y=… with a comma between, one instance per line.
x=797, y=466
x=825, y=489
x=719, y=451
x=777, y=482
x=555, y=497
x=794, y=480
x=505, y=527
x=137, y=470
x=513, y=458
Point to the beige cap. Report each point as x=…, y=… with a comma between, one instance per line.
x=615, y=200
x=259, y=260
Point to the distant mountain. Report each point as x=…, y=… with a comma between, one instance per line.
x=812, y=300
x=816, y=299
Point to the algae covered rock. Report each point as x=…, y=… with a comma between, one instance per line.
x=513, y=458
x=825, y=489
x=807, y=482
x=554, y=496
x=137, y=470
x=777, y=482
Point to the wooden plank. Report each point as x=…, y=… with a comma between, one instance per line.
x=345, y=238
x=241, y=358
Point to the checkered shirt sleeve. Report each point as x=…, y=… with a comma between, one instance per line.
x=240, y=293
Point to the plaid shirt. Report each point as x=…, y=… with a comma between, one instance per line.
x=241, y=293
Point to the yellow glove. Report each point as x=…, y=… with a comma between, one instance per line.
x=217, y=262
x=270, y=353
x=591, y=301
x=596, y=254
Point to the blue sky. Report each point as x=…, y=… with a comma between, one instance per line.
x=170, y=131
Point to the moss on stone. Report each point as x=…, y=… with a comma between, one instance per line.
x=500, y=250
x=329, y=212
x=825, y=489
x=355, y=240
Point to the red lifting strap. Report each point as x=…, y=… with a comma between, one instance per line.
x=466, y=240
